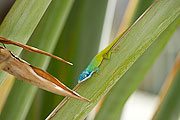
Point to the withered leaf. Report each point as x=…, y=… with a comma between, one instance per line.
x=33, y=75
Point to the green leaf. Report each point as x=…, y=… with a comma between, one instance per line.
x=21, y=21
x=138, y=38
x=169, y=107
x=142, y=5
x=114, y=103
x=116, y=98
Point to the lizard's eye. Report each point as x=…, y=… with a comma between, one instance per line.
x=87, y=74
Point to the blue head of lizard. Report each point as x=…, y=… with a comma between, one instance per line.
x=85, y=75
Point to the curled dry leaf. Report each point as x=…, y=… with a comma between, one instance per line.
x=33, y=75
x=31, y=49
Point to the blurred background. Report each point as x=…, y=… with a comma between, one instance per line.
x=88, y=27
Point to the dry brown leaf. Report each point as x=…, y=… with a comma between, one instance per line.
x=33, y=75
x=31, y=49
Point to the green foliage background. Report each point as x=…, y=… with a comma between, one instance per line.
x=72, y=30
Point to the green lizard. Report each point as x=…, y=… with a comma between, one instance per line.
x=96, y=61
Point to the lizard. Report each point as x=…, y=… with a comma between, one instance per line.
x=97, y=60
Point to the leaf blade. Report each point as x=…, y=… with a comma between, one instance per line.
x=131, y=47
x=114, y=103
